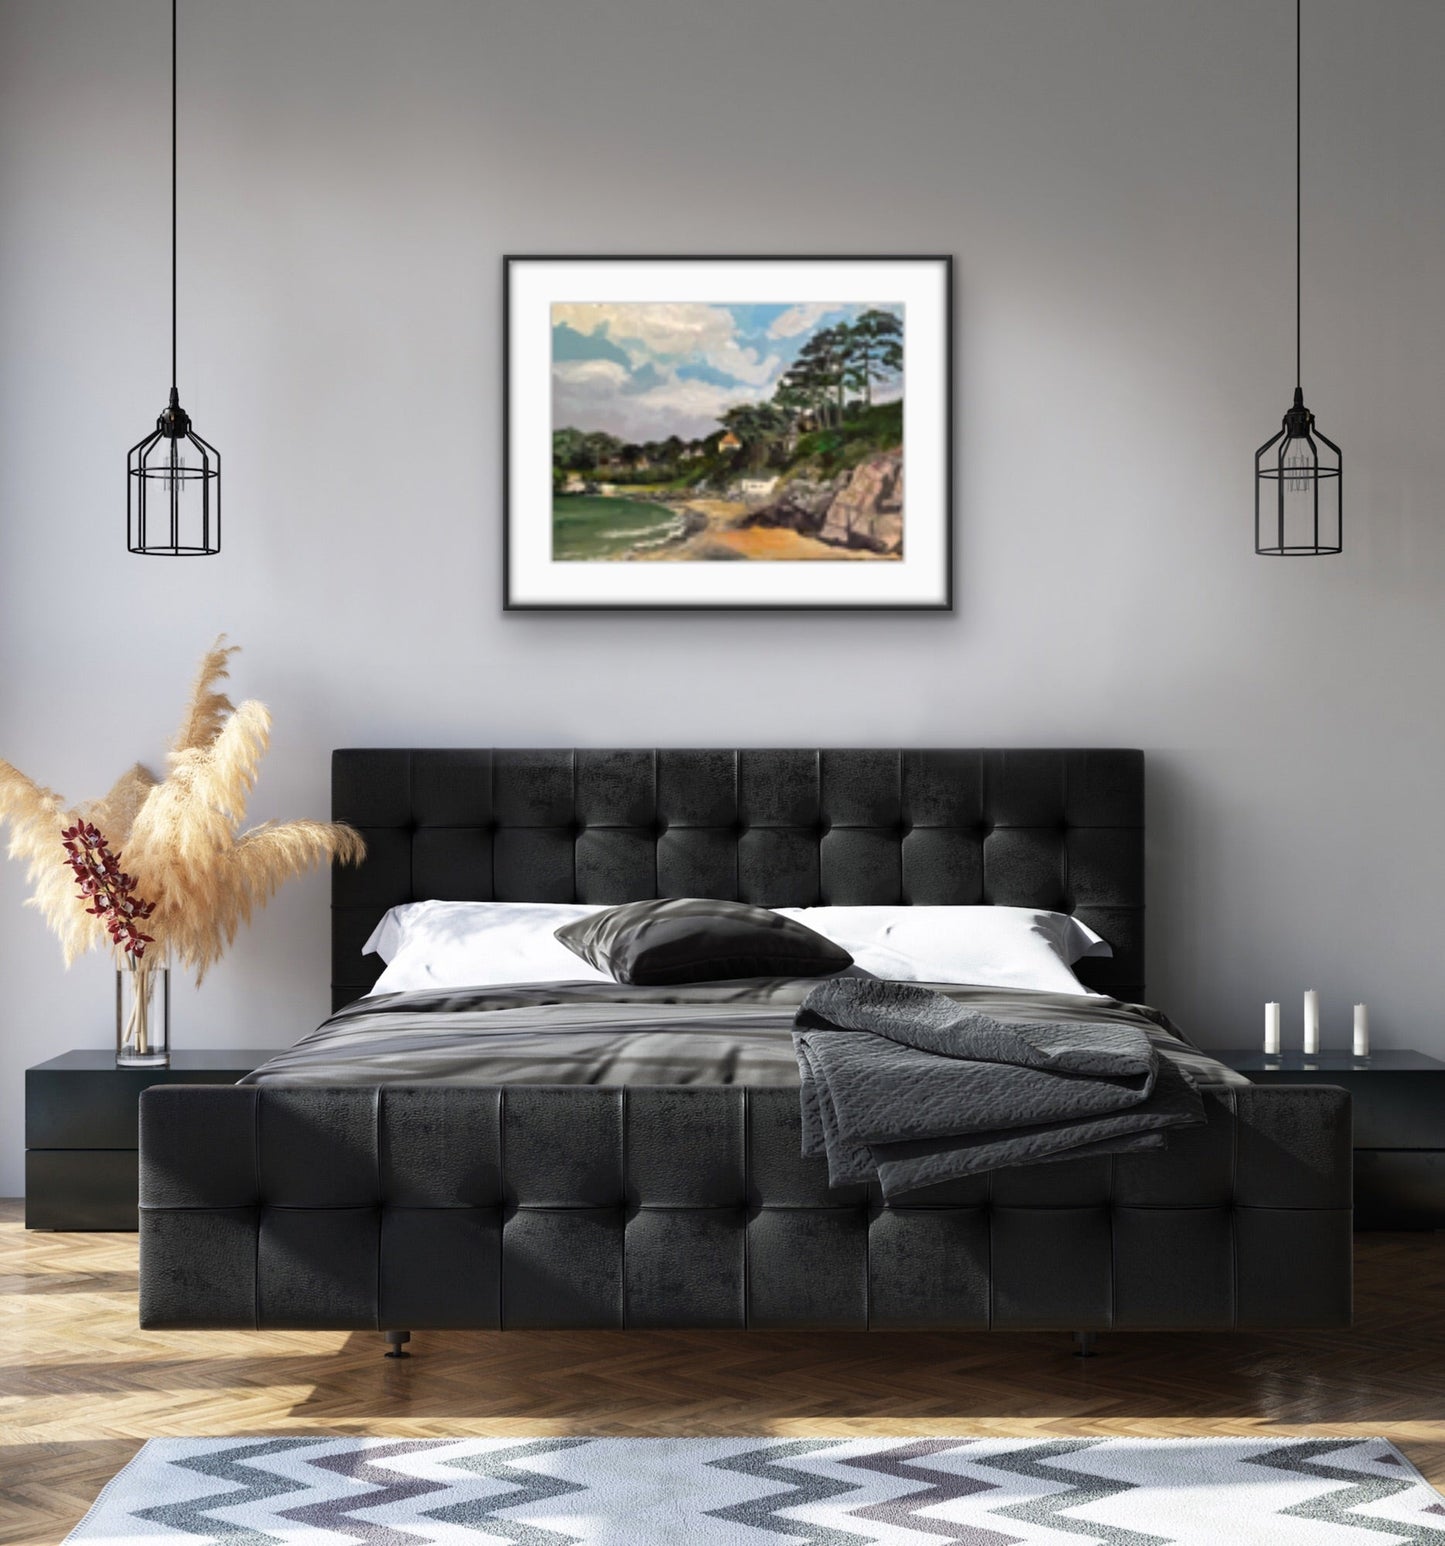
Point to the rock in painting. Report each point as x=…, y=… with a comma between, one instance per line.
x=868, y=513
x=801, y=505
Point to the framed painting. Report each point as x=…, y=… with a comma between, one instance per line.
x=728, y=432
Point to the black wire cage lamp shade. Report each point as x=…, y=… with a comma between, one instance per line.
x=173, y=476
x=173, y=494
x=1298, y=484
x=1298, y=472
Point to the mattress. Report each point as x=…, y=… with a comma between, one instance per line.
x=589, y=1033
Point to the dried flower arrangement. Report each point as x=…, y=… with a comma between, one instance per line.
x=181, y=839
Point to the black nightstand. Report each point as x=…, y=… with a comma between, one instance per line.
x=1399, y=1107
x=81, y=1132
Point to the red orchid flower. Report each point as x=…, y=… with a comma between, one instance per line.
x=110, y=891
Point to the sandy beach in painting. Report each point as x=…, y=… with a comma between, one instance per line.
x=726, y=535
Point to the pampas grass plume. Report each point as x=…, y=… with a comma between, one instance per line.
x=181, y=836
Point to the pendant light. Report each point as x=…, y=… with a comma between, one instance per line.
x=173, y=477
x=1298, y=473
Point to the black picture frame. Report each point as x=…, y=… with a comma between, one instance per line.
x=510, y=603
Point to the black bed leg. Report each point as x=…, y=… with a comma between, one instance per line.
x=1084, y=1344
x=397, y=1339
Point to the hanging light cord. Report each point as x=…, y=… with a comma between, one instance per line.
x=1298, y=374
x=173, y=195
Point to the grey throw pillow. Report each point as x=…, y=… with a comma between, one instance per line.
x=696, y=939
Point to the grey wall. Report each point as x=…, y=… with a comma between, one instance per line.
x=1114, y=178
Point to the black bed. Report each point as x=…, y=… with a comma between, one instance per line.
x=393, y=1207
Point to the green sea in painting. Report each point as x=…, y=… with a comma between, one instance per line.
x=595, y=526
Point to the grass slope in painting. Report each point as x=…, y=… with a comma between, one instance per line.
x=694, y=432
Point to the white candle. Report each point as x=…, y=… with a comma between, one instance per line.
x=1271, y=1028
x=1362, y=1031
x=1312, y=1020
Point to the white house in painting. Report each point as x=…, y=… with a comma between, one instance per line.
x=756, y=488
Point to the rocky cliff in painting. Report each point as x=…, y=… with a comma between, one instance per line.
x=869, y=512
x=861, y=509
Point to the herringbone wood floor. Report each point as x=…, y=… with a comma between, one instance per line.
x=80, y=1386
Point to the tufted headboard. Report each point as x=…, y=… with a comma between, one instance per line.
x=1057, y=829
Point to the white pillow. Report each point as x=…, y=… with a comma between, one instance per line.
x=477, y=945
x=993, y=947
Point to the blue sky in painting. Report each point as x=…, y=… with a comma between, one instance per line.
x=644, y=370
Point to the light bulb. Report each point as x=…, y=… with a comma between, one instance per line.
x=1299, y=471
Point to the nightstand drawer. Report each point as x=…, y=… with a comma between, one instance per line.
x=1399, y=1189
x=92, y=1110
x=1397, y=1110
x=81, y=1188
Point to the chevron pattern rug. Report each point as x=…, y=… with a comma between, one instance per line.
x=766, y=1492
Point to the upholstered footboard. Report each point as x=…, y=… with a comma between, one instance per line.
x=526, y=1206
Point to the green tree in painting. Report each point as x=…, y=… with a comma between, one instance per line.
x=791, y=401
x=875, y=351
x=576, y=451
x=815, y=377
x=758, y=426
x=824, y=360
x=569, y=451
x=837, y=360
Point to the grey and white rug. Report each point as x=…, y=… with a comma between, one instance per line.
x=766, y=1492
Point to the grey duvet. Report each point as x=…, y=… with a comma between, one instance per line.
x=607, y=1034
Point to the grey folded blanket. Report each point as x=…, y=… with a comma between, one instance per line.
x=905, y=1085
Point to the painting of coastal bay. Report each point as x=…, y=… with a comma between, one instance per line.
x=702, y=431
x=695, y=432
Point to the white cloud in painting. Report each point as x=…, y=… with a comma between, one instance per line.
x=671, y=331
x=700, y=401
x=594, y=378
x=745, y=364
x=667, y=329
x=800, y=318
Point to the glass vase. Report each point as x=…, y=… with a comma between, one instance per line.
x=142, y=1014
